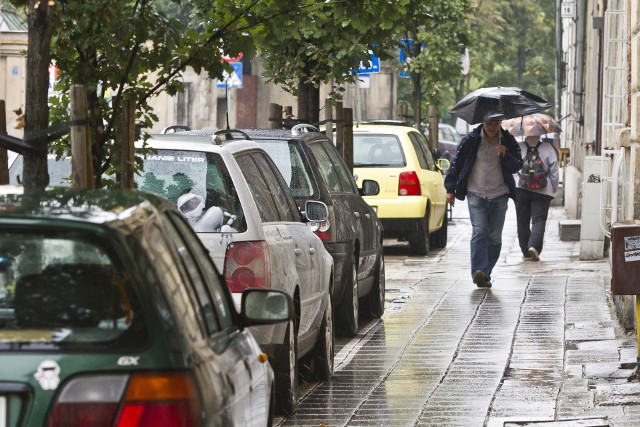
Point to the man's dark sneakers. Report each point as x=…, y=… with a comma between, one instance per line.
x=481, y=280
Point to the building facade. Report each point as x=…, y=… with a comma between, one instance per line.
x=600, y=106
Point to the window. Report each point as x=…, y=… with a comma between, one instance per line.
x=195, y=182
x=377, y=150
x=216, y=286
x=288, y=157
x=271, y=194
x=279, y=190
x=346, y=177
x=65, y=292
x=202, y=299
x=422, y=151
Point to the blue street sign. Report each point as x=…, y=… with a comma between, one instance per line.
x=372, y=67
x=231, y=80
x=406, y=44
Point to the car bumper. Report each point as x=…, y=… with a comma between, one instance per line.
x=399, y=207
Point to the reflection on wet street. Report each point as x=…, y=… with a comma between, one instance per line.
x=447, y=353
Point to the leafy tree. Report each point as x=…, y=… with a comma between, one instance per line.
x=437, y=34
x=515, y=45
x=122, y=49
x=40, y=29
x=324, y=42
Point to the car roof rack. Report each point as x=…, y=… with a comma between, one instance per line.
x=174, y=128
x=303, y=128
x=228, y=135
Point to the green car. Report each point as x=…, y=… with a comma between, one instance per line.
x=113, y=314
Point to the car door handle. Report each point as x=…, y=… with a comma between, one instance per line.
x=356, y=214
x=298, y=251
x=312, y=251
x=367, y=216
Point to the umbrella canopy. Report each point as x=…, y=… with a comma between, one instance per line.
x=533, y=125
x=498, y=103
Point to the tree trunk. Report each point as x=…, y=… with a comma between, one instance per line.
x=416, y=97
x=308, y=103
x=303, y=102
x=35, y=173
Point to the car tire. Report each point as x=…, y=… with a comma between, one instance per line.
x=323, y=353
x=287, y=374
x=439, y=238
x=350, y=307
x=376, y=296
x=419, y=239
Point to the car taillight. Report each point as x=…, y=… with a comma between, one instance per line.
x=321, y=229
x=409, y=184
x=246, y=265
x=139, y=400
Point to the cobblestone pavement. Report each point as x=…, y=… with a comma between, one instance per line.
x=541, y=347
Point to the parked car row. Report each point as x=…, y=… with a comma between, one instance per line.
x=292, y=219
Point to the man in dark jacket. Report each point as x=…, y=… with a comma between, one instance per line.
x=482, y=171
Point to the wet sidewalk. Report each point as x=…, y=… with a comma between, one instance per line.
x=541, y=347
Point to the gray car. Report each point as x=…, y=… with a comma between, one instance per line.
x=241, y=208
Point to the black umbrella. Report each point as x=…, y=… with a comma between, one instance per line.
x=498, y=103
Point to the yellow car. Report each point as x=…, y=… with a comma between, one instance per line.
x=412, y=202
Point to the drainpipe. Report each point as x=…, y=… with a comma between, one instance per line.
x=598, y=24
x=579, y=85
x=559, y=67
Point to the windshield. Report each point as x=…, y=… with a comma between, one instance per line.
x=198, y=183
x=64, y=292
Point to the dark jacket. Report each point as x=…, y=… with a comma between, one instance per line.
x=458, y=176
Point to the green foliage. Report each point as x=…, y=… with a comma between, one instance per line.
x=325, y=41
x=515, y=45
x=123, y=49
x=440, y=34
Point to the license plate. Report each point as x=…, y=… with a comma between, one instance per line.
x=3, y=411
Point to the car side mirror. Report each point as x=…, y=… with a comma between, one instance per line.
x=370, y=188
x=316, y=211
x=265, y=307
x=443, y=164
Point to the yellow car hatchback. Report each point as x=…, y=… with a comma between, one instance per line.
x=412, y=201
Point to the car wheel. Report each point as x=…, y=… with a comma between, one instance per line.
x=350, y=307
x=323, y=352
x=376, y=296
x=439, y=238
x=287, y=374
x=419, y=239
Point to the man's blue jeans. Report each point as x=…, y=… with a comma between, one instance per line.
x=487, y=220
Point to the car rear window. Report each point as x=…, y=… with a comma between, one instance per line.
x=64, y=292
x=377, y=150
x=198, y=183
x=59, y=170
